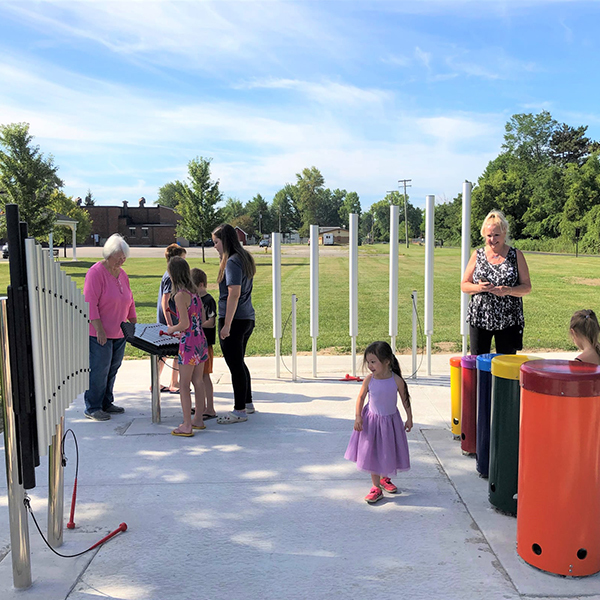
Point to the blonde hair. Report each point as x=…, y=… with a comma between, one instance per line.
x=584, y=323
x=495, y=217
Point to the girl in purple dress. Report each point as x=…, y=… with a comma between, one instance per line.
x=378, y=443
x=193, y=349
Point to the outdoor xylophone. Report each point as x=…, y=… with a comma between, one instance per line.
x=152, y=338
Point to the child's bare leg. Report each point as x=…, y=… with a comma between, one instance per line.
x=198, y=383
x=185, y=396
x=175, y=375
x=375, y=478
x=209, y=404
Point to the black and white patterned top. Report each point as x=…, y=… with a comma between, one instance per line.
x=490, y=312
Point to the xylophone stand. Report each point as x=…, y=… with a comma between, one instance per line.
x=56, y=488
x=155, y=384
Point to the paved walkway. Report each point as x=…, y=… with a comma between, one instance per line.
x=269, y=509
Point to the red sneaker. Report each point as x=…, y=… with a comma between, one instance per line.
x=387, y=485
x=374, y=495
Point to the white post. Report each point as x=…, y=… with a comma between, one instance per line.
x=51, y=244
x=294, y=341
x=314, y=292
x=464, y=259
x=277, y=333
x=429, y=247
x=415, y=318
x=394, y=248
x=353, y=286
x=74, y=241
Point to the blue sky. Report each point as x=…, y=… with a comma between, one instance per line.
x=123, y=94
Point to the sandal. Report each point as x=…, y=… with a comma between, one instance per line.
x=198, y=426
x=206, y=416
x=231, y=417
x=180, y=433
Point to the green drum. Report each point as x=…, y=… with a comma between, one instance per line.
x=504, y=431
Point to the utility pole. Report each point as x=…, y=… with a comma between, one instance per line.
x=405, y=181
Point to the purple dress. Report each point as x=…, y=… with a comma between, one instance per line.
x=381, y=447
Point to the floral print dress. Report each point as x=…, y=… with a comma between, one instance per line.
x=491, y=312
x=193, y=348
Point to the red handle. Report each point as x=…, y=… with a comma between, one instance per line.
x=121, y=527
x=71, y=523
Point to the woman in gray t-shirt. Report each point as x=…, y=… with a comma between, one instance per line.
x=236, y=317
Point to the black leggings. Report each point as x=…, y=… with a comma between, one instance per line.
x=508, y=340
x=234, y=350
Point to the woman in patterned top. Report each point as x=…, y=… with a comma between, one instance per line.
x=497, y=278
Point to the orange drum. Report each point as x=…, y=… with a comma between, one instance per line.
x=558, y=521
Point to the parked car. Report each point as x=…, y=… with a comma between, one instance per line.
x=5, y=251
x=264, y=243
x=209, y=243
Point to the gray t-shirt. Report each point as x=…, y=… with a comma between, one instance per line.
x=234, y=275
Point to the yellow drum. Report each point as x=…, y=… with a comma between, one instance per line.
x=455, y=395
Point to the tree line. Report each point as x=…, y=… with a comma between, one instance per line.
x=546, y=180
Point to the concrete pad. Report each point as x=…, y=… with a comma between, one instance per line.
x=269, y=508
x=500, y=530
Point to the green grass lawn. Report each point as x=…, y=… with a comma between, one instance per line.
x=561, y=285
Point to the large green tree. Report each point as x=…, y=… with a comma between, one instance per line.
x=284, y=209
x=310, y=193
x=27, y=178
x=350, y=205
x=197, y=198
x=527, y=137
x=167, y=195
x=259, y=212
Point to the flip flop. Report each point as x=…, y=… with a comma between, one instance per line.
x=230, y=417
x=173, y=391
x=206, y=417
x=198, y=427
x=178, y=433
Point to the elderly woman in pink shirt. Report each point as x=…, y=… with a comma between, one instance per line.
x=106, y=290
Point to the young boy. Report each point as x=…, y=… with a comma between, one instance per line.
x=200, y=280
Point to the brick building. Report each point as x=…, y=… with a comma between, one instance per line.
x=140, y=225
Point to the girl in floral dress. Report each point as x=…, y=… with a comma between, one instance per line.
x=193, y=349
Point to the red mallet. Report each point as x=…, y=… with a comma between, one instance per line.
x=121, y=527
x=351, y=378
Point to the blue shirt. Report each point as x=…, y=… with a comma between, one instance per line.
x=234, y=275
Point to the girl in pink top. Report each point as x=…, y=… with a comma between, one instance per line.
x=106, y=290
x=193, y=349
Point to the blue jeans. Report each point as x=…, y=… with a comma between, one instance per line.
x=104, y=364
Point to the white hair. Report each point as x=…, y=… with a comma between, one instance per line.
x=115, y=243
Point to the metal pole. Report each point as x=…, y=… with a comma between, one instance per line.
x=353, y=288
x=155, y=382
x=465, y=256
x=393, y=292
x=314, y=292
x=56, y=490
x=429, y=247
x=17, y=512
x=415, y=318
x=294, y=341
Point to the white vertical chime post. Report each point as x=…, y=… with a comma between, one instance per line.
x=415, y=318
x=277, y=333
x=294, y=341
x=353, y=290
x=464, y=259
x=394, y=247
x=314, y=293
x=429, y=247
